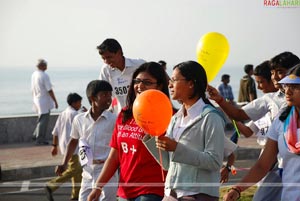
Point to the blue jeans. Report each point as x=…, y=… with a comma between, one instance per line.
x=145, y=197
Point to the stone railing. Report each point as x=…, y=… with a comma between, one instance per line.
x=19, y=129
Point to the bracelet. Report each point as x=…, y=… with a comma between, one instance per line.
x=236, y=189
x=54, y=145
x=220, y=100
x=97, y=187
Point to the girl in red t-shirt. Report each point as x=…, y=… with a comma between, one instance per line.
x=140, y=174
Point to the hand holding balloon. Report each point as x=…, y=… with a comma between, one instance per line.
x=165, y=143
x=214, y=94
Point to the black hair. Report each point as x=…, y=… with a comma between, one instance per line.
x=110, y=45
x=73, y=98
x=95, y=86
x=162, y=63
x=293, y=71
x=248, y=68
x=193, y=71
x=284, y=60
x=225, y=77
x=154, y=69
x=263, y=70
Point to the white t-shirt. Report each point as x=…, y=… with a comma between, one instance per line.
x=270, y=102
x=63, y=126
x=290, y=163
x=120, y=80
x=40, y=87
x=97, y=134
x=260, y=128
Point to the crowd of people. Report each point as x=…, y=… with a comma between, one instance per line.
x=112, y=157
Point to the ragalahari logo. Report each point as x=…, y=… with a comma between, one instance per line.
x=282, y=3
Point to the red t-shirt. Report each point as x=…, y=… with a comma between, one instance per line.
x=139, y=172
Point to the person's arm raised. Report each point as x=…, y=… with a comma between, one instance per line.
x=232, y=111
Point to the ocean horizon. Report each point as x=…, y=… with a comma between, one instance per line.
x=16, y=98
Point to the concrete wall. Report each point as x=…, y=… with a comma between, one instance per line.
x=18, y=129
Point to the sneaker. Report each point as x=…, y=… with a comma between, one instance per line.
x=49, y=193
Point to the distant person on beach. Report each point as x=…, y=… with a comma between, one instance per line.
x=247, y=92
x=92, y=132
x=117, y=69
x=225, y=89
x=141, y=178
x=61, y=136
x=43, y=100
x=269, y=102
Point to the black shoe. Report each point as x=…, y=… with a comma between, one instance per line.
x=33, y=138
x=42, y=143
x=49, y=193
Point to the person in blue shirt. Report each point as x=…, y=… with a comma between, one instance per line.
x=225, y=89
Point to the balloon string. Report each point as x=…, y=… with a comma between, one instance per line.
x=234, y=124
x=161, y=165
x=236, y=129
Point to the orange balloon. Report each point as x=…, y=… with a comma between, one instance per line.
x=152, y=111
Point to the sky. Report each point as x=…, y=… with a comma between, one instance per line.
x=66, y=32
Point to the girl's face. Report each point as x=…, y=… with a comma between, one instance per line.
x=292, y=94
x=144, y=81
x=180, y=88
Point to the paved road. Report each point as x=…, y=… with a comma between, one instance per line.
x=33, y=190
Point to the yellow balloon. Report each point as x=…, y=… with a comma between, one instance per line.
x=212, y=52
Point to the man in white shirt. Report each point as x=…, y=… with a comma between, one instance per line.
x=117, y=69
x=44, y=100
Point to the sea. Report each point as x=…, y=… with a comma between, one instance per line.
x=16, y=98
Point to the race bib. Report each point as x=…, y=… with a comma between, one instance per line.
x=85, y=153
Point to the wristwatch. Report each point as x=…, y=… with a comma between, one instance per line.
x=228, y=167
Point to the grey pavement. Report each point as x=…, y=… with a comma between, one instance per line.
x=27, y=161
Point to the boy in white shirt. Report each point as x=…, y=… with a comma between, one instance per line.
x=92, y=131
x=61, y=137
